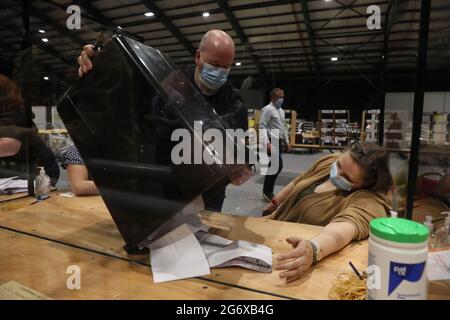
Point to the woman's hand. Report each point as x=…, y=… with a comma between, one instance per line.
x=296, y=262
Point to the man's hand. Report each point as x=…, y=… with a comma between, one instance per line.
x=84, y=60
x=240, y=176
x=297, y=261
x=288, y=148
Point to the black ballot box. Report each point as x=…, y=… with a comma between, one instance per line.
x=122, y=116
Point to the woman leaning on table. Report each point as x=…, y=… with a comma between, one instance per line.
x=341, y=192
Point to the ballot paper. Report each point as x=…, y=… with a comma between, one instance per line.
x=13, y=185
x=182, y=248
x=188, y=216
x=438, y=265
x=177, y=255
x=242, y=254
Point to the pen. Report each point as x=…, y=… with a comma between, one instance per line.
x=355, y=270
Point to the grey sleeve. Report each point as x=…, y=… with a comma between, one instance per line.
x=264, y=125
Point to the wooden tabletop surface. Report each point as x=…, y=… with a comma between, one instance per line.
x=85, y=222
x=42, y=266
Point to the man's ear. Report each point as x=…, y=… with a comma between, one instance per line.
x=197, y=57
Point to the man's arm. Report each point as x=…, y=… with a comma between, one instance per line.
x=9, y=147
x=236, y=113
x=286, y=133
x=264, y=122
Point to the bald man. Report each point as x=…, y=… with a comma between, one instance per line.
x=213, y=60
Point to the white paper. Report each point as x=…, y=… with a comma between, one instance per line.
x=177, y=255
x=67, y=195
x=438, y=265
x=189, y=216
x=13, y=185
x=211, y=242
x=242, y=254
x=4, y=181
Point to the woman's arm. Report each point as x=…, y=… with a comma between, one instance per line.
x=79, y=181
x=279, y=198
x=332, y=238
x=9, y=147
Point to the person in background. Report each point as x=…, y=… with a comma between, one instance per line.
x=341, y=192
x=213, y=60
x=272, y=127
x=78, y=175
x=15, y=134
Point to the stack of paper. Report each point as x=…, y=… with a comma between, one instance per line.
x=438, y=265
x=182, y=248
x=13, y=185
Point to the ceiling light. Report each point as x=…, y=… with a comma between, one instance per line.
x=206, y=14
x=46, y=78
x=44, y=40
x=239, y=64
x=334, y=58
x=149, y=14
x=41, y=31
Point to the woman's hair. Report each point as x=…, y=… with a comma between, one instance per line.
x=373, y=159
x=10, y=97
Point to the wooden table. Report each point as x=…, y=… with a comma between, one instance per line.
x=14, y=196
x=85, y=223
x=41, y=265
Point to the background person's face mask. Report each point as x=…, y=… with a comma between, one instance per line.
x=213, y=77
x=339, y=181
x=279, y=102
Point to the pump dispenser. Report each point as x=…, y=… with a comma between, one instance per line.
x=42, y=185
x=432, y=239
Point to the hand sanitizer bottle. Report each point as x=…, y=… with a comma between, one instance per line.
x=443, y=232
x=42, y=185
x=432, y=239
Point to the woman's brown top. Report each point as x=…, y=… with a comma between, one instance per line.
x=357, y=207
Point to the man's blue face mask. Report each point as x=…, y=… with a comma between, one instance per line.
x=279, y=102
x=339, y=181
x=213, y=77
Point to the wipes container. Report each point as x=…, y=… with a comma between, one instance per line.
x=398, y=250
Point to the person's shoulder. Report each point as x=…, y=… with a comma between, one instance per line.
x=268, y=107
x=369, y=197
x=328, y=159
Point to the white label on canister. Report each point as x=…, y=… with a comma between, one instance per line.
x=402, y=271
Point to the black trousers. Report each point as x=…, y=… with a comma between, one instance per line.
x=269, y=180
x=215, y=202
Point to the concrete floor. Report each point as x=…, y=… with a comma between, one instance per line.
x=247, y=199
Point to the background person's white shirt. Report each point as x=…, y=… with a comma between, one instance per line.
x=272, y=118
